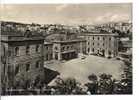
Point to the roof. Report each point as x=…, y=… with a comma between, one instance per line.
x=19, y=38
x=47, y=43
x=92, y=34
x=69, y=41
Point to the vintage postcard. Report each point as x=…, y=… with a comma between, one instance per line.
x=66, y=49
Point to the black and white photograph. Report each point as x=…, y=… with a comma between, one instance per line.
x=66, y=49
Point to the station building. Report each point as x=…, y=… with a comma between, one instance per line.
x=61, y=46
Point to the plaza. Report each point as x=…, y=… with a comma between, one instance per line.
x=80, y=68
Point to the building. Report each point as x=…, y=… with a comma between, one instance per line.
x=48, y=51
x=65, y=50
x=125, y=49
x=63, y=46
x=125, y=44
x=22, y=59
x=103, y=44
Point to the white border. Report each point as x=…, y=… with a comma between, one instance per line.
x=65, y=1
x=135, y=53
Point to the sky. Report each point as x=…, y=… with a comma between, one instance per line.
x=70, y=14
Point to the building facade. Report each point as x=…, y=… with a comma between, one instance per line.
x=63, y=46
x=22, y=59
x=48, y=51
x=65, y=50
x=103, y=44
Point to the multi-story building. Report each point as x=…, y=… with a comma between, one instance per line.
x=104, y=44
x=22, y=59
x=63, y=46
x=65, y=50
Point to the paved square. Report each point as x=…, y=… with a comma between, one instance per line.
x=80, y=69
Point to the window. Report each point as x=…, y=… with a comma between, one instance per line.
x=51, y=56
x=16, y=51
x=56, y=56
x=109, y=52
x=109, y=38
x=46, y=56
x=46, y=47
x=71, y=46
x=92, y=49
x=27, y=67
x=27, y=49
x=98, y=44
x=93, y=43
x=97, y=51
x=93, y=38
x=103, y=44
x=98, y=38
x=103, y=38
x=37, y=64
x=63, y=48
x=17, y=69
x=56, y=48
x=88, y=49
x=37, y=48
x=9, y=70
x=67, y=47
x=9, y=53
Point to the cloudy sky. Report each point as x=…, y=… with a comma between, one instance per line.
x=66, y=13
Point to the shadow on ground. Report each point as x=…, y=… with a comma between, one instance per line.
x=50, y=75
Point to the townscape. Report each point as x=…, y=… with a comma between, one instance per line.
x=25, y=48
x=61, y=59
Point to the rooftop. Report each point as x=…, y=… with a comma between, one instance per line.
x=48, y=43
x=19, y=38
x=69, y=41
x=86, y=34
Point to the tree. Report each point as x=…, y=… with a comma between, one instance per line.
x=20, y=81
x=93, y=85
x=105, y=84
x=67, y=86
x=120, y=48
x=126, y=82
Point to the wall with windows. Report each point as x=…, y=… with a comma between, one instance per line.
x=56, y=51
x=103, y=45
x=22, y=59
x=48, y=52
x=68, y=47
x=27, y=49
x=29, y=69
